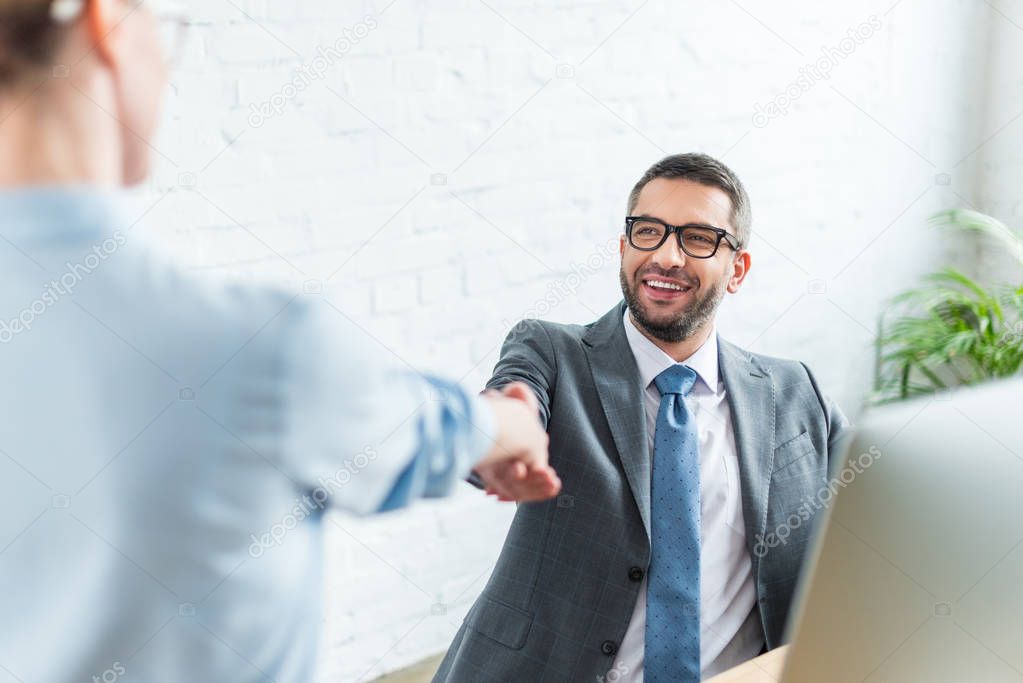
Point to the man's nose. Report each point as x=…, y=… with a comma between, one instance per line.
x=669, y=255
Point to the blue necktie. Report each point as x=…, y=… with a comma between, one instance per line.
x=672, y=650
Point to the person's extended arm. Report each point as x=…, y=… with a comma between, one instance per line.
x=377, y=435
x=525, y=372
x=512, y=466
x=527, y=356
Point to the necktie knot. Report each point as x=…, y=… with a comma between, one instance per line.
x=678, y=379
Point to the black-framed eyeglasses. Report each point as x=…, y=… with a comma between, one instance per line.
x=695, y=239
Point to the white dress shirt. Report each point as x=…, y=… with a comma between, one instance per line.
x=730, y=629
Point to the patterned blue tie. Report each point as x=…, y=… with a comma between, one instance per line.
x=672, y=651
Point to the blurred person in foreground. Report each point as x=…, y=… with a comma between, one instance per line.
x=169, y=446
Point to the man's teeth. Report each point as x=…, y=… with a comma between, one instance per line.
x=664, y=285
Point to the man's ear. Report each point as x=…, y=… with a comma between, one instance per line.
x=740, y=268
x=621, y=245
x=99, y=22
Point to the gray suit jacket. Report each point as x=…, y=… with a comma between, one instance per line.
x=561, y=596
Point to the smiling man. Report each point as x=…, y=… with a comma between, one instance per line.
x=679, y=454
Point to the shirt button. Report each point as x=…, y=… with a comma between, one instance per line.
x=609, y=647
x=636, y=573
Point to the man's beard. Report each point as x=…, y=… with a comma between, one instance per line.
x=689, y=320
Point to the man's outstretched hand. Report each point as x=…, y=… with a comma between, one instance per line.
x=516, y=468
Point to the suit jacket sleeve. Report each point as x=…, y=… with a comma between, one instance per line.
x=839, y=427
x=528, y=356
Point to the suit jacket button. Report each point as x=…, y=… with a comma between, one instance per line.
x=609, y=647
x=636, y=573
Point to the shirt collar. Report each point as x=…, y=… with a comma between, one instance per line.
x=652, y=361
x=61, y=213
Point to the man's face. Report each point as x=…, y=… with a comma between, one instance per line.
x=672, y=314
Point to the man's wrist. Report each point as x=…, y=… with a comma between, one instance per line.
x=486, y=423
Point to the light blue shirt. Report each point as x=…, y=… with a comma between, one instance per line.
x=168, y=447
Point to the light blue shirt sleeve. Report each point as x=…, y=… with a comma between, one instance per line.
x=367, y=428
x=431, y=473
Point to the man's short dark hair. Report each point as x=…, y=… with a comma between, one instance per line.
x=706, y=170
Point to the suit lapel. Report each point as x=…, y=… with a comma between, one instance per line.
x=751, y=400
x=616, y=378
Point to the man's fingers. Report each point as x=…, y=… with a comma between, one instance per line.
x=514, y=480
x=540, y=485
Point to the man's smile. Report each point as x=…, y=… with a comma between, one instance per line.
x=661, y=288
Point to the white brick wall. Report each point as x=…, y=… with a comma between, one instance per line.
x=997, y=167
x=488, y=149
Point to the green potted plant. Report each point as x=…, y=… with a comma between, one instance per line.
x=953, y=330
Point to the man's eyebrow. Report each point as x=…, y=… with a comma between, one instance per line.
x=703, y=225
x=646, y=215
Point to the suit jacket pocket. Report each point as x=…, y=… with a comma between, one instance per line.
x=506, y=624
x=792, y=450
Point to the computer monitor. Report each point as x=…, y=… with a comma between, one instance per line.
x=916, y=573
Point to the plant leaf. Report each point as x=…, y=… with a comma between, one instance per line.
x=982, y=223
